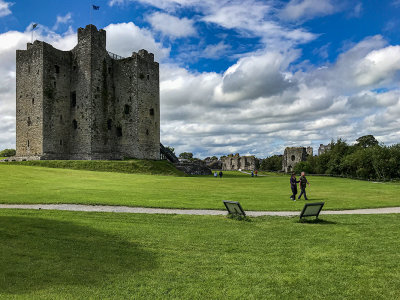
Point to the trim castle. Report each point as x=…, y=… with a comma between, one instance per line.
x=86, y=103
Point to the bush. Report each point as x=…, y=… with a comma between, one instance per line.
x=303, y=166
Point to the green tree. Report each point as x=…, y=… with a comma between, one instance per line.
x=186, y=155
x=172, y=149
x=367, y=141
x=303, y=166
x=7, y=153
x=272, y=163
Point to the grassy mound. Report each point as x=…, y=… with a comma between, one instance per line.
x=76, y=255
x=135, y=166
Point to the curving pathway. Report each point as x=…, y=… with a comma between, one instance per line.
x=200, y=212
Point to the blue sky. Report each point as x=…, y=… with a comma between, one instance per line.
x=238, y=76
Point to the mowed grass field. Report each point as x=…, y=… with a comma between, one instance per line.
x=28, y=184
x=76, y=255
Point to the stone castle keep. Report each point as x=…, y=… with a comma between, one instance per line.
x=293, y=155
x=86, y=103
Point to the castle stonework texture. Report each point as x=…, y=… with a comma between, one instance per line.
x=293, y=155
x=86, y=103
x=237, y=162
x=323, y=148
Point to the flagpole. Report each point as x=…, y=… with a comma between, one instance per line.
x=90, y=8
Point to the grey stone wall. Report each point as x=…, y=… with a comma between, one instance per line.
x=236, y=162
x=292, y=156
x=323, y=148
x=86, y=104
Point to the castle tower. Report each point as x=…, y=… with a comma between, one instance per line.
x=87, y=103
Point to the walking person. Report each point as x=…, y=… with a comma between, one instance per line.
x=293, y=185
x=220, y=174
x=252, y=174
x=215, y=174
x=256, y=172
x=303, y=184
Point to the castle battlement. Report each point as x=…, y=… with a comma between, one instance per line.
x=85, y=104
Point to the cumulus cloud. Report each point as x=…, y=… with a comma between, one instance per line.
x=171, y=26
x=258, y=106
x=123, y=38
x=5, y=8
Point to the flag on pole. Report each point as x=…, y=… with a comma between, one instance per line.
x=34, y=26
x=95, y=7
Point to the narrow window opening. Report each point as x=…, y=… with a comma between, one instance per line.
x=141, y=76
x=29, y=121
x=29, y=69
x=33, y=101
x=61, y=118
x=73, y=99
x=148, y=77
x=127, y=109
x=98, y=89
x=57, y=69
x=28, y=143
x=147, y=132
x=61, y=142
x=109, y=124
x=75, y=124
x=119, y=131
x=109, y=70
x=74, y=68
x=55, y=84
x=151, y=111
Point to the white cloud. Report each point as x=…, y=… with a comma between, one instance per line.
x=5, y=8
x=62, y=20
x=124, y=38
x=378, y=66
x=172, y=26
x=258, y=106
x=302, y=10
x=250, y=18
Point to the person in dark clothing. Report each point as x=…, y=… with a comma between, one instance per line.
x=303, y=184
x=293, y=185
x=220, y=174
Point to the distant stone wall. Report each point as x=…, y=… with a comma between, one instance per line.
x=193, y=168
x=84, y=104
x=236, y=162
x=323, y=148
x=292, y=156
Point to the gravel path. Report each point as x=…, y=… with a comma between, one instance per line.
x=203, y=212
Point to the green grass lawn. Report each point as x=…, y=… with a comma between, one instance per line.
x=23, y=184
x=75, y=255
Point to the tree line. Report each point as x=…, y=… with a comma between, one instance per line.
x=366, y=159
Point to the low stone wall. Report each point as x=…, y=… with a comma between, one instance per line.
x=193, y=168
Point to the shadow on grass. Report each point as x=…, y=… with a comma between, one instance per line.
x=316, y=221
x=37, y=253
